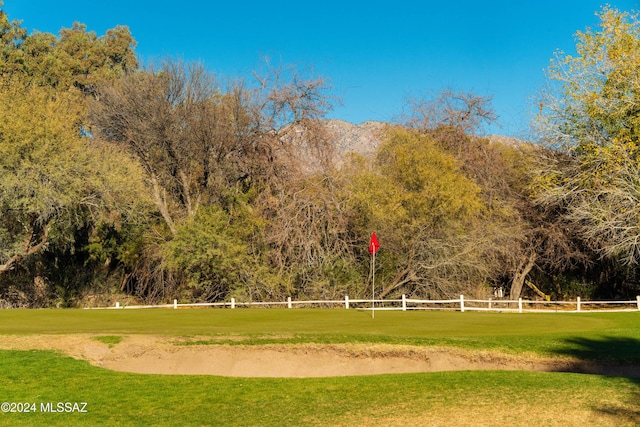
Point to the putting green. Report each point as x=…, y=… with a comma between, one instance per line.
x=300, y=322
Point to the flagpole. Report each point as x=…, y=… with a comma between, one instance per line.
x=374, y=245
x=373, y=285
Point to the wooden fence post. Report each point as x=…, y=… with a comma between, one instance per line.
x=578, y=303
x=519, y=305
x=175, y=304
x=117, y=304
x=233, y=303
x=289, y=302
x=404, y=302
x=638, y=301
x=461, y=303
x=346, y=302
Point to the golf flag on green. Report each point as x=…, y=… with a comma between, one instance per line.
x=374, y=245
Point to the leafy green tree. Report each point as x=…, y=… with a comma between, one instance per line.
x=53, y=181
x=213, y=252
x=76, y=57
x=58, y=189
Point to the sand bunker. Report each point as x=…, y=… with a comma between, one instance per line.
x=165, y=355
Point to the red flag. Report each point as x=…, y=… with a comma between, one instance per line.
x=374, y=245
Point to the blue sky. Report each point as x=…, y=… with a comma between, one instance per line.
x=376, y=54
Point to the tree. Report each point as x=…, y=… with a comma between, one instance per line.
x=196, y=141
x=76, y=57
x=12, y=35
x=203, y=145
x=54, y=180
x=522, y=239
x=310, y=237
x=213, y=251
x=58, y=189
x=466, y=112
x=427, y=214
x=590, y=117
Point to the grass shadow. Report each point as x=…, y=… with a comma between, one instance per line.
x=609, y=356
x=612, y=356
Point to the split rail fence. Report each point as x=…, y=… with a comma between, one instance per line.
x=404, y=304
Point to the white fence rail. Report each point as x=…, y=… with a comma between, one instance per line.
x=459, y=304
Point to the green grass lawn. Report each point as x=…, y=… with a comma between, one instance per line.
x=446, y=398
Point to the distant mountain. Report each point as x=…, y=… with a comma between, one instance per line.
x=507, y=140
x=347, y=138
x=365, y=137
x=351, y=138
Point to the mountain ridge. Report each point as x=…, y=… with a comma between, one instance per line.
x=365, y=137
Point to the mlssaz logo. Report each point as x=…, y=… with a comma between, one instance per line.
x=63, y=407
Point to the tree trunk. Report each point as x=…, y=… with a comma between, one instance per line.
x=28, y=249
x=521, y=274
x=160, y=200
x=404, y=276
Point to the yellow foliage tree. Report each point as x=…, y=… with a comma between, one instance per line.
x=590, y=117
x=424, y=211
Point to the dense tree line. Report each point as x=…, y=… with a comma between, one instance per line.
x=164, y=182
